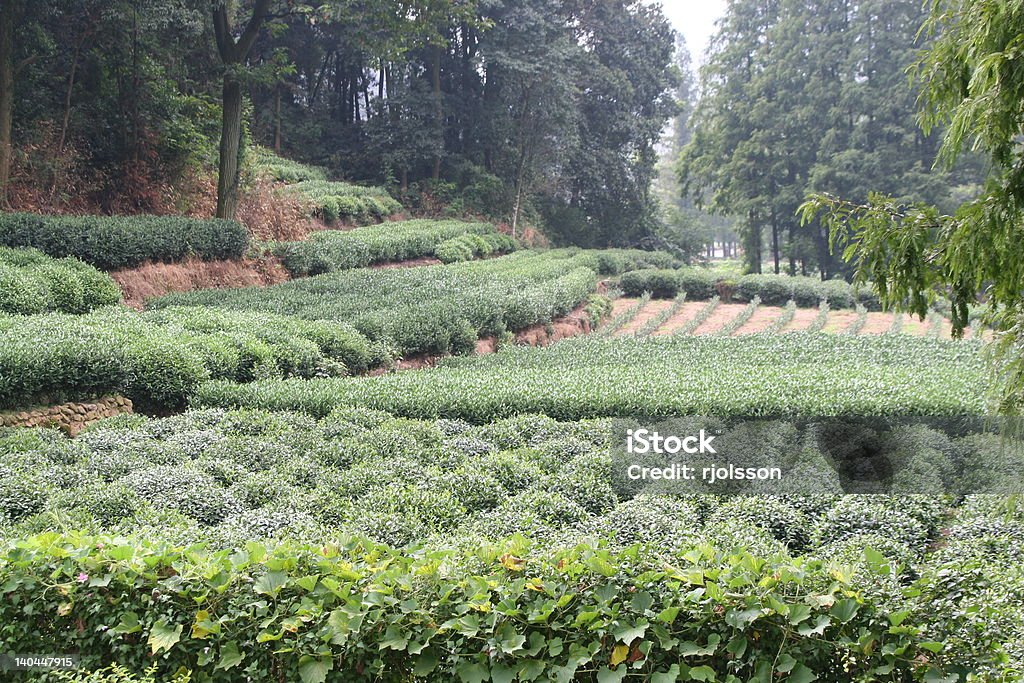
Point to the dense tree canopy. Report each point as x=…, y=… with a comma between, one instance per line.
x=527, y=110
x=971, y=85
x=809, y=95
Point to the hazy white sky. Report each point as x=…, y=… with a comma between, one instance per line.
x=695, y=19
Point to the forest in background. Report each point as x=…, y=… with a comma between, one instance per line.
x=579, y=117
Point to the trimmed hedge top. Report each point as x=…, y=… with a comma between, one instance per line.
x=114, y=242
x=450, y=241
x=32, y=282
x=158, y=359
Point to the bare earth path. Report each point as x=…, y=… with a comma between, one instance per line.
x=763, y=317
x=724, y=314
x=839, y=321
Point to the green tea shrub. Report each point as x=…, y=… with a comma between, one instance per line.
x=115, y=242
x=32, y=282
x=159, y=359
x=662, y=284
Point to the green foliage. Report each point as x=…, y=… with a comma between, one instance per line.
x=113, y=242
x=333, y=200
x=331, y=250
x=434, y=309
x=119, y=674
x=268, y=164
x=31, y=282
x=700, y=284
x=159, y=359
x=726, y=376
x=205, y=569
x=473, y=245
x=759, y=146
x=352, y=608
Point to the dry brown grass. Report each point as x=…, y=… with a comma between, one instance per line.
x=275, y=216
x=156, y=279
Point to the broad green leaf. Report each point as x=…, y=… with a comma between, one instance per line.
x=163, y=636
x=670, y=676
x=500, y=673
x=270, y=583
x=508, y=640
x=425, y=663
x=129, y=623
x=230, y=656
x=702, y=673
x=844, y=610
x=606, y=675
x=472, y=672
x=801, y=674
x=314, y=669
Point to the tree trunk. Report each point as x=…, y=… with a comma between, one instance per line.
x=6, y=96
x=277, y=119
x=775, y=242
x=230, y=142
x=233, y=55
x=792, y=250
x=438, y=110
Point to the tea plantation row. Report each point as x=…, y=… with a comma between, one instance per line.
x=613, y=581
x=332, y=250
x=433, y=310
x=32, y=282
x=701, y=284
x=326, y=326
x=329, y=200
x=114, y=242
x=761, y=375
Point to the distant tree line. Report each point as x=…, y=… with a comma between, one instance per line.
x=540, y=111
x=805, y=96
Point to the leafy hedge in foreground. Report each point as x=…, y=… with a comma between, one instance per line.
x=114, y=242
x=360, y=612
x=332, y=250
x=32, y=282
x=761, y=375
x=159, y=359
x=774, y=290
x=611, y=579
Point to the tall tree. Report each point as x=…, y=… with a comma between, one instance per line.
x=234, y=52
x=805, y=95
x=12, y=16
x=971, y=85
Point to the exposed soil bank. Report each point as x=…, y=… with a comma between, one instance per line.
x=156, y=279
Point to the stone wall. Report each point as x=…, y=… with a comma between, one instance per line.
x=70, y=417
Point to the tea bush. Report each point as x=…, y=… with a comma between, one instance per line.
x=763, y=375
x=428, y=310
x=748, y=582
x=334, y=200
x=159, y=359
x=114, y=242
x=32, y=282
x=700, y=284
x=333, y=250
